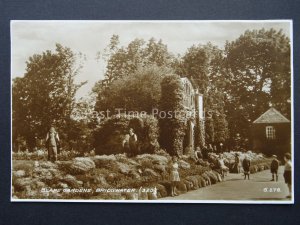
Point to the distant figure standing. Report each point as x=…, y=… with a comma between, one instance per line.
x=205, y=152
x=130, y=143
x=236, y=165
x=52, y=143
x=133, y=146
x=246, y=167
x=288, y=172
x=174, y=175
x=274, y=168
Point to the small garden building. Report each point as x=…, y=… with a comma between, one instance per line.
x=271, y=133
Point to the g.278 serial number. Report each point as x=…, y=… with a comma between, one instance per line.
x=272, y=190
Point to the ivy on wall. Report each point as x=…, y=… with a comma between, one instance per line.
x=172, y=127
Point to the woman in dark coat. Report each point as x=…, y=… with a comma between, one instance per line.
x=235, y=167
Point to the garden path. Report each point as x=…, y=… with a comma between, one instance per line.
x=259, y=187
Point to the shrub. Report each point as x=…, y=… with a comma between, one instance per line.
x=213, y=178
x=194, y=180
x=162, y=191
x=109, y=136
x=81, y=165
x=23, y=165
x=105, y=161
x=188, y=184
x=166, y=187
x=181, y=187
x=201, y=181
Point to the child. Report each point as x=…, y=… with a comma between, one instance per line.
x=274, y=168
x=174, y=175
x=288, y=172
x=246, y=167
x=224, y=169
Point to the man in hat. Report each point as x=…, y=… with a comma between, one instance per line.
x=274, y=168
x=52, y=142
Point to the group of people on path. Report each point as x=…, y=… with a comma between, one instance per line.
x=245, y=164
x=239, y=165
x=236, y=168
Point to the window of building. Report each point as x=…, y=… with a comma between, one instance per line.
x=270, y=132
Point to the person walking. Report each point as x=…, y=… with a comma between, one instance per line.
x=246, y=167
x=288, y=172
x=52, y=143
x=174, y=175
x=274, y=168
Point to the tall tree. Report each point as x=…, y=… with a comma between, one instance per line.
x=45, y=94
x=128, y=65
x=122, y=61
x=204, y=66
x=258, y=64
x=138, y=92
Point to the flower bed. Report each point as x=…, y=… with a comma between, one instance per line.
x=118, y=172
x=105, y=171
x=42, y=154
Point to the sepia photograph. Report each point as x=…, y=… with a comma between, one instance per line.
x=152, y=111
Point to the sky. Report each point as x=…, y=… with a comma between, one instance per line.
x=91, y=37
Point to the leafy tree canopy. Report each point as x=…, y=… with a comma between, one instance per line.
x=258, y=74
x=46, y=93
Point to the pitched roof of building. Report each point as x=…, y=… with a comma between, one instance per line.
x=272, y=116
